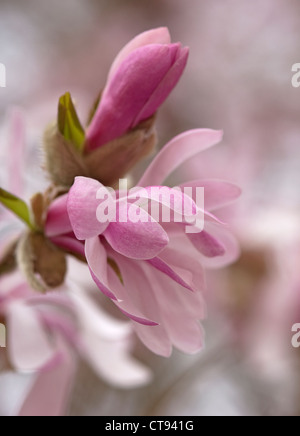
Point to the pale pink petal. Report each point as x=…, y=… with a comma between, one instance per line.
x=165, y=87
x=155, y=199
x=30, y=347
x=82, y=207
x=108, y=282
x=176, y=152
x=16, y=153
x=155, y=338
x=228, y=241
x=137, y=294
x=107, y=346
x=184, y=259
x=217, y=193
x=160, y=35
x=142, y=240
x=58, y=222
x=207, y=244
x=129, y=91
x=167, y=269
x=50, y=393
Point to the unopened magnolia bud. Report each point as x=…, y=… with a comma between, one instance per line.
x=43, y=264
x=62, y=161
x=115, y=159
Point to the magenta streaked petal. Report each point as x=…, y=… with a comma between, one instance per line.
x=141, y=240
x=160, y=35
x=217, y=193
x=176, y=152
x=158, y=198
x=206, y=244
x=228, y=241
x=50, y=393
x=58, y=222
x=82, y=208
x=137, y=299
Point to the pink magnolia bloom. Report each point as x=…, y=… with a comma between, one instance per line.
x=141, y=78
x=160, y=275
x=47, y=333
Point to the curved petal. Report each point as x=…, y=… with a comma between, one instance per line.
x=128, y=91
x=58, y=222
x=136, y=240
x=160, y=35
x=97, y=260
x=50, y=393
x=207, y=244
x=83, y=202
x=217, y=193
x=109, y=283
x=69, y=243
x=176, y=152
x=167, y=269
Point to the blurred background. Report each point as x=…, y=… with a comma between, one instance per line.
x=238, y=79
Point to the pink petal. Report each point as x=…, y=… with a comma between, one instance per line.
x=142, y=240
x=58, y=222
x=159, y=198
x=29, y=345
x=97, y=260
x=207, y=244
x=160, y=35
x=228, y=241
x=129, y=90
x=82, y=207
x=165, y=87
x=109, y=283
x=183, y=258
x=16, y=153
x=176, y=152
x=217, y=193
x=167, y=269
x=107, y=346
x=51, y=390
x=155, y=338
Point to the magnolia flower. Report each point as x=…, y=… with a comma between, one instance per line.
x=153, y=271
x=47, y=334
x=140, y=79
